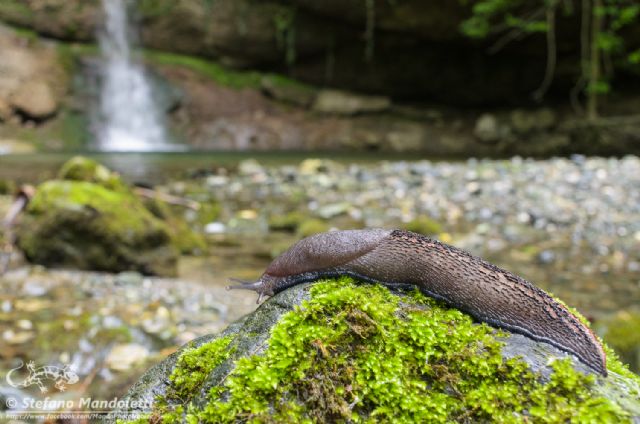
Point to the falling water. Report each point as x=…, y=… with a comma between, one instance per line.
x=129, y=120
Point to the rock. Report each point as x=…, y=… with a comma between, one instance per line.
x=313, y=166
x=487, y=128
x=335, y=351
x=80, y=168
x=287, y=222
x=288, y=90
x=125, y=356
x=32, y=80
x=344, y=103
x=129, y=278
x=84, y=225
x=35, y=100
x=523, y=121
x=8, y=146
x=215, y=228
x=6, y=111
x=250, y=167
x=334, y=209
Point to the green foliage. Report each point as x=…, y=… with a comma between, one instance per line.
x=284, y=22
x=359, y=353
x=603, y=22
x=485, y=13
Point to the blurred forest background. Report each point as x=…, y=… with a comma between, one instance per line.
x=447, y=78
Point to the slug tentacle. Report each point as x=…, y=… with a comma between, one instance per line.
x=257, y=286
x=395, y=258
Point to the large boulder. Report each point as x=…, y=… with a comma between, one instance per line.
x=32, y=80
x=92, y=220
x=337, y=351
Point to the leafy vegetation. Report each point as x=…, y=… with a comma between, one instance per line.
x=601, y=26
x=359, y=353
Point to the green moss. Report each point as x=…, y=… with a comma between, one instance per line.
x=358, y=353
x=312, y=226
x=622, y=332
x=127, y=211
x=212, y=70
x=88, y=226
x=7, y=187
x=286, y=82
x=28, y=34
x=154, y=8
x=195, y=364
x=16, y=11
x=183, y=237
x=287, y=222
x=80, y=168
x=423, y=225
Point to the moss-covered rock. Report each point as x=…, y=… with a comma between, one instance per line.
x=80, y=168
x=86, y=225
x=336, y=351
x=183, y=237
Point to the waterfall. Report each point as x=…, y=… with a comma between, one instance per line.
x=129, y=119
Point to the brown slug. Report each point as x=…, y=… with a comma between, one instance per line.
x=468, y=283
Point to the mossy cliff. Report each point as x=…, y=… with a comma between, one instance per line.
x=337, y=351
x=89, y=218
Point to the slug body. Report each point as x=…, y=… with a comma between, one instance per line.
x=468, y=283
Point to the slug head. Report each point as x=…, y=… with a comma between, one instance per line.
x=264, y=286
x=308, y=258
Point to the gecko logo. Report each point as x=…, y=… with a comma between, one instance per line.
x=59, y=376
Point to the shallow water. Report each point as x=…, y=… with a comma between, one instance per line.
x=159, y=167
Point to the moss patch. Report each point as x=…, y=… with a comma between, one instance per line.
x=80, y=168
x=290, y=221
x=212, y=70
x=360, y=353
x=423, y=225
x=194, y=366
x=312, y=226
x=183, y=237
x=622, y=332
x=88, y=226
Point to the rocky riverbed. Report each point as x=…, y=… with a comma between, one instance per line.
x=570, y=225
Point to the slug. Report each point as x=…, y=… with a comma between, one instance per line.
x=400, y=258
